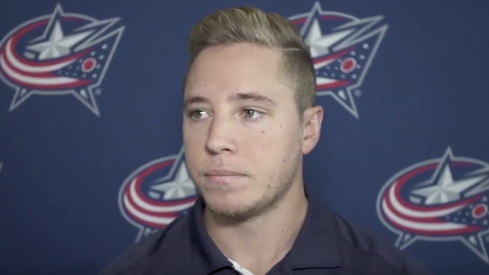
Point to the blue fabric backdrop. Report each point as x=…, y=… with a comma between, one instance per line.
x=91, y=145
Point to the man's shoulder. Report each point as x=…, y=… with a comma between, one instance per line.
x=363, y=246
x=147, y=249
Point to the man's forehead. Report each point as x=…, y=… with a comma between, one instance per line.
x=270, y=92
x=219, y=64
x=252, y=75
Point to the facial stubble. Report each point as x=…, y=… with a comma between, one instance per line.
x=287, y=167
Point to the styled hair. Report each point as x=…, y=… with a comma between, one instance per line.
x=252, y=25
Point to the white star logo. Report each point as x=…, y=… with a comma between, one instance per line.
x=464, y=219
x=181, y=187
x=447, y=189
x=58, y=45
x=340, y=68
x=320, y=44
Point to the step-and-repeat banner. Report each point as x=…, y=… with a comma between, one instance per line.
x=91, y=153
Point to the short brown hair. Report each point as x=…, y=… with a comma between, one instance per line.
x=250, y=24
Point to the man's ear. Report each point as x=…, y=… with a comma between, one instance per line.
x=311, y=123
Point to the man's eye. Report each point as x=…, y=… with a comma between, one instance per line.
x=251, y=114
x=198, y=114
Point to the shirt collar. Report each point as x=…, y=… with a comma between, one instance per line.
x=213, y=258
x=315, y=246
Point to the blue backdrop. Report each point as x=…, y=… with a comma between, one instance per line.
x=91, y=145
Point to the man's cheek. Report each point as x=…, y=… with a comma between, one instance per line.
x=194, y=135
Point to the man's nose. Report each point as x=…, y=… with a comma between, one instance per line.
x=221, y=135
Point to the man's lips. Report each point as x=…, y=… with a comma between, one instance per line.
x=222, y=176
x=222, y=173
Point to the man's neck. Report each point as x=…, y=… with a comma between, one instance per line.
x=259, y=244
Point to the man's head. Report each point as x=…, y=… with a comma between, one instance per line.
x=249, y=111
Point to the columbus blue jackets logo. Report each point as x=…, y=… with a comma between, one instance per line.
x=157, y=193
x=444, y=199
x=342, y=48
x=58, y=54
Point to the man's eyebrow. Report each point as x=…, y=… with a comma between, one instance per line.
x=253, y=96
x=193, y=100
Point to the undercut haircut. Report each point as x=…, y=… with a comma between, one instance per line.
x=251, y=25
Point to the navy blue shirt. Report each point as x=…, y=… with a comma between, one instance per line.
x=327, y=244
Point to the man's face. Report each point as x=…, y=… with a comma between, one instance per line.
x=241, y=129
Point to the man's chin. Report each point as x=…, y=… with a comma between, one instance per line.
x=229, y=208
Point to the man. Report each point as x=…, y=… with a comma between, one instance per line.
x=249, y=117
